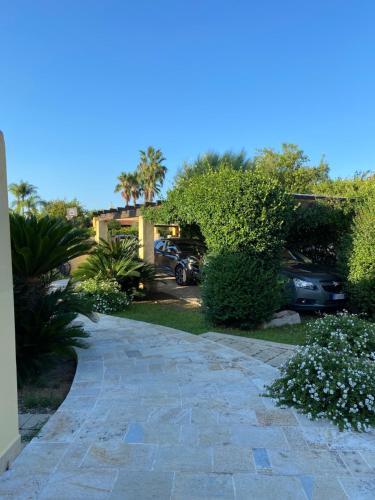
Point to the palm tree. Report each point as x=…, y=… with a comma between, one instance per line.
x=31, y=205
x=135, y=187
x=22, y=191
x=151, y=172
x=125, y=186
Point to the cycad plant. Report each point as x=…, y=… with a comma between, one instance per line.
x=151, y=172
x=44, y=329
x=41, y=245
x=116, y=259
x=43, y=317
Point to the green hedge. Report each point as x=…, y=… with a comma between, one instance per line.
x=318, y=230
x=240, y=289
x=244, y=219
x=361, y=278
x=236, y=211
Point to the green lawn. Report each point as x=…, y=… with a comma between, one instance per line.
x=190, y=319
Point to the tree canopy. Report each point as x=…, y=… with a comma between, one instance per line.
x=235, y=210
x=290, y=166
x=212, y=161
x=26, y=200
x=147, y=179
x=58, y=208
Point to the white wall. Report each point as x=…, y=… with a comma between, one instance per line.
x=9, y=435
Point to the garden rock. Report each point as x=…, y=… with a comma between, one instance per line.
x=282, y=318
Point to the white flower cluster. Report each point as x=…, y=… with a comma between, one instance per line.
x=106, y=295
x=333, y=376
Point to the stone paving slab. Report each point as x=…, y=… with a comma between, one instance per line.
x=156, y=413
x=272, y=353
x=30, y=424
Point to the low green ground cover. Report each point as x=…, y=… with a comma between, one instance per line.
x=190, y=319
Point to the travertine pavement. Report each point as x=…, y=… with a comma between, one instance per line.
x=156, y=413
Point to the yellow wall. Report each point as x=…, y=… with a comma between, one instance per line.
x=101, y=229
x=146, y=240
x=9, y=435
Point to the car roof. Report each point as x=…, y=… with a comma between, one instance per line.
x=180, y=240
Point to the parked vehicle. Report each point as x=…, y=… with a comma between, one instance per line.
x=179, y=258
x=310, y=286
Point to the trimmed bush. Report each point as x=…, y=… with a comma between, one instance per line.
x=240, y=289
x=333, y=376
x=361, y=276
x=106, y=295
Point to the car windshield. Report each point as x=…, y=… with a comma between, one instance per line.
x=293, y=256
x=191, y=248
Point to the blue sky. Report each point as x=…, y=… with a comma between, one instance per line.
x=85, y=84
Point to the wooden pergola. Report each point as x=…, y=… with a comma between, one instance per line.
x=132, y=217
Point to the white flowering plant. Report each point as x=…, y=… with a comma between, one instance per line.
x=105, y=294
x=333, y=375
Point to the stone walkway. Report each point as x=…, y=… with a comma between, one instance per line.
x=30, y=424
x=155, y=413
x=272, y=353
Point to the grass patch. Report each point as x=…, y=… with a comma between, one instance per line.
x=190, y=319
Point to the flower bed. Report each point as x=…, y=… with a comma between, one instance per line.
x=333, y=375
x=105, y=294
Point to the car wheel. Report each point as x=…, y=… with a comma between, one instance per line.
x=181, y=276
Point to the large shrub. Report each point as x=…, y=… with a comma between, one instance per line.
x=318, y=230
x=333, y=376
x=236, y=211
x=243, y=217
x=240, y=289
x=43, y=318
x=361, y=263
x=105, y=295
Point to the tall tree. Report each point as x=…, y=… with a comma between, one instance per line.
x=212, y=161
x=135, y=187
x=59, y=208
x=124, y=186
x=31, y=205
x=22, y=192
x=290, y=167
x=151, y=172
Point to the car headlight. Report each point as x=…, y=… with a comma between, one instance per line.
x=303, y=284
